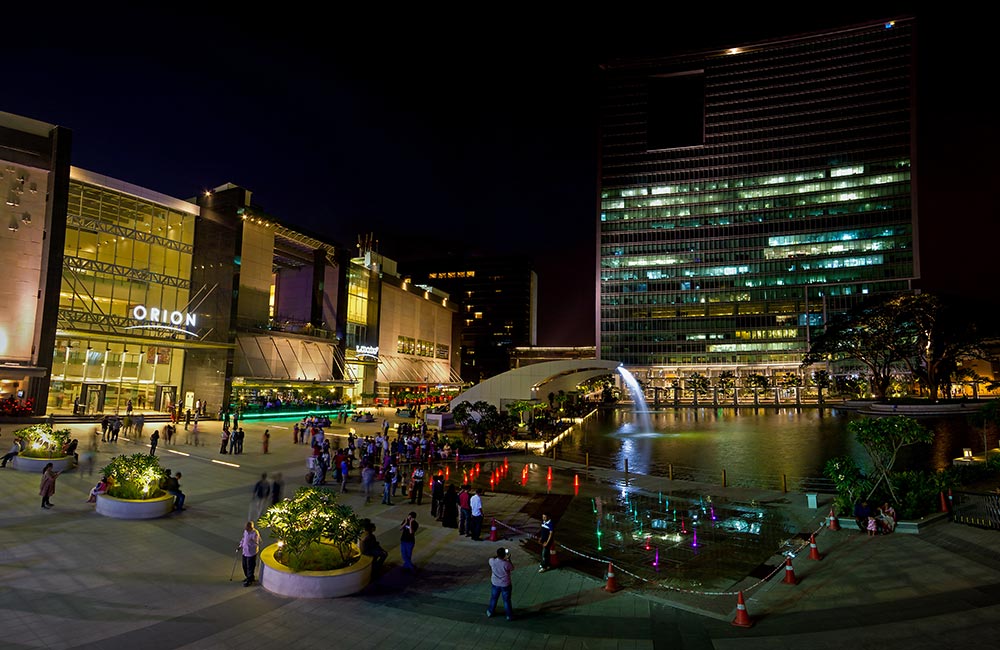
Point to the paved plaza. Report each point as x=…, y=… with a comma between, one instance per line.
x=70, y=578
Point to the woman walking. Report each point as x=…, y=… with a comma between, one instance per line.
x=48, y=485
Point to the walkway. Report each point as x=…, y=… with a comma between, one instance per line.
x=74, y=579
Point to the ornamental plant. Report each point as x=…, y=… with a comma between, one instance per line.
x=136, y=477
x=42, y=441
x=312, y=518
x=850, y=481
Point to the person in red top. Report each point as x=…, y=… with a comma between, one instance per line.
x=464, y=511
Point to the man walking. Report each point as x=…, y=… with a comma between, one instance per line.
x=261, y=490
x=153, y=441
x=476, y=518
x=501, y=569
x=388, y=479
x=277, y=488
x=367, y=480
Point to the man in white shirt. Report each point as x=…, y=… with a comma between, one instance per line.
x=476, y=521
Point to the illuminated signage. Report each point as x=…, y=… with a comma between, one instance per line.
x=367, y=350
x=162, y=319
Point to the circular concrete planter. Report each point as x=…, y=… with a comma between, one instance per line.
x=28, y=464
x=135, y=508
x=279, y=579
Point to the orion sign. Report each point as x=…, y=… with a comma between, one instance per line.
x=162, y=319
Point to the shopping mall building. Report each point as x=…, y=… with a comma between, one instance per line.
x=117, y=293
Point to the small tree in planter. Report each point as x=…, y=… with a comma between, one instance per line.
x=308, y=525
x=134, y=477
x=42, y=441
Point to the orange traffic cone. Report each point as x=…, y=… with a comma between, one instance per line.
x=813, y=550
x=834, y=522
x=742, y=618
x=493, y=531
x=789, y=573
x=612, y=583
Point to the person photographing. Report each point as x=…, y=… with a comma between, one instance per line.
x=501, y=569
x=407, y=540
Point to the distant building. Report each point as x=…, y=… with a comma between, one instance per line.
x=272, y=295
x=749, y=194
x=498, y=311
x=416, y=350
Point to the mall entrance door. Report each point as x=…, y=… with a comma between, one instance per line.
x=92, y=397
x=166, y=397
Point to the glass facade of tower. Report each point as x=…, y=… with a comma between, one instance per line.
x=749, y=194
x=124, y=298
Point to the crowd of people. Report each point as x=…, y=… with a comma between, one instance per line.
x=401, y=459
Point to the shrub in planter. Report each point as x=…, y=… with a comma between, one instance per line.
x=919, y=493
x=134, y=477
x=850, y=481
x=42, y=441
x=314, y=532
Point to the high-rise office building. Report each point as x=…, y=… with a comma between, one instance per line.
x=498, y=306
x=749, y=194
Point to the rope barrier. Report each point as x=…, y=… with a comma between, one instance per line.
x=655, y=583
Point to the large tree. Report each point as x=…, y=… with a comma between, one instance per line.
x=941, y=333
x=925, y=334
x=484, y=423
x=872, y=334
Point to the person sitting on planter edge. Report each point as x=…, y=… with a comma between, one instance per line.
x=172, y=485
x=370, y=547
x=100, y=488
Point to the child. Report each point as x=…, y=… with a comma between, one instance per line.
x=100, y=488
x=872, y=526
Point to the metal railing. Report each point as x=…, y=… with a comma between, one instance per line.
x=980, y=509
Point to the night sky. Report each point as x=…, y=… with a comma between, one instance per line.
x=439, y=133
